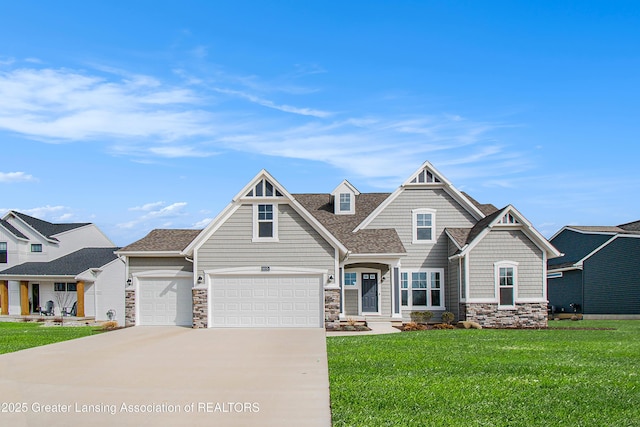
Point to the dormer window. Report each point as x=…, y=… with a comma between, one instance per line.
x=344, y=198
x=345, y=202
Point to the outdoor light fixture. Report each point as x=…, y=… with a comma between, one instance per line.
x=330, y=277
x=129, y=282
x=200, y=280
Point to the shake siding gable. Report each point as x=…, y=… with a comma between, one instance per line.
x=299, y=245
x=506, y=245
x=398, y=215
x=144, y=264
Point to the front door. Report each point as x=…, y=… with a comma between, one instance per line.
x=35, y=297
x=369, y=293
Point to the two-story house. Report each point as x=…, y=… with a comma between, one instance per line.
x=71, y=267
x=275, y=259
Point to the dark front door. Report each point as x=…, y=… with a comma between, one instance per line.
x=369, y=293
x=35, y=297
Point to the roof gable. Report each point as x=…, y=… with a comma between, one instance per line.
x=46, y=229
x=425, y=173
x=251, y=193
x=506, y=218
x=12, y=230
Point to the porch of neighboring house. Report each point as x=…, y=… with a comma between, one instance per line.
x=32, y=299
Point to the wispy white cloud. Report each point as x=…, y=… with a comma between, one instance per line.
x=9, y=177
x=202, y=223
x=154, y=213
x=270, y=104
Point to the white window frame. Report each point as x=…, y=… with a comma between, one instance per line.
x=514, y=266
x=338, y=203
x=406, y=277
x=256, y=224
x=36, y=246
x=422, y=211
x=6, y=252
x=353, y=285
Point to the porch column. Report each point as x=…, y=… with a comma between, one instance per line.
x=4, y=297
x=80, y=299
x=24, y=298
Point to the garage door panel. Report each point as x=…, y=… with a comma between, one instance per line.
x=274, y=301
x=165, y=301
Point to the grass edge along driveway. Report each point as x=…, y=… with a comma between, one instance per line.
x=487, y=377
x=15, y=336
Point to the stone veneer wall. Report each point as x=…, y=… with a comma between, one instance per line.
x=527, y=315
x=199, y=308
x=129, y=307
x=332, y=308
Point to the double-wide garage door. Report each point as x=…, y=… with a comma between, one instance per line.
x=266, y=301
x=165, y=301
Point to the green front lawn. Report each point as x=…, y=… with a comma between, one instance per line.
x=16, y=336
x=553, y=377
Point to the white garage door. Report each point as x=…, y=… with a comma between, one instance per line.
x=266, y=301
x=165, y=301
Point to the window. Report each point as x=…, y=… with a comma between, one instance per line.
x=264, y=189
x=65, y=287
x=404, y=289
x=345, y=202
x=421, y=288
x=3, y=252
x=506, y=274
x=36, y=247
x=424, y=224
x=350, y=279
x=435, y=288
x=265, y=222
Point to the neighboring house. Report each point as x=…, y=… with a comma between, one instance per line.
x=275, y=259
x=65, y=263
x=599, y=273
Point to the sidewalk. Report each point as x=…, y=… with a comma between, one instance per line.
x=377, y=328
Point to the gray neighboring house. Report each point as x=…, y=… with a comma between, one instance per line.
x=275, y=259
x=599, y=272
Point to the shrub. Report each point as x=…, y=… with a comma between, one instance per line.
x=447, y=317
x=413, y=326
x=421, y=316
x=443, y=326
x=109, y=326
x=351, y=321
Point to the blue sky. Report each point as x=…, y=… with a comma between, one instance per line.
x=147, y=114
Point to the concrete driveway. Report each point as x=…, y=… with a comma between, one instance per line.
x=170, y=376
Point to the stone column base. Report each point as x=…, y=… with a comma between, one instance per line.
x=332, y=308
x=200, y=318
x=525, y=315
x=129, y=307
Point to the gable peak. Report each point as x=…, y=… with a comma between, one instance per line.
x=345, y=186
x=426, y=174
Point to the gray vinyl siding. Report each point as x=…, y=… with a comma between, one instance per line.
x=299, y=244
x=565, y=290
x=142, y=264
x=351, y=302
x=506, y=245
x=612, y=278
x=398, y=215
x=452, y=291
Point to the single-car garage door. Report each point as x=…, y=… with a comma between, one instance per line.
x=165, y=301
x=266, y=301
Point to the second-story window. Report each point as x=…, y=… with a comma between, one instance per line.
x=36, y=247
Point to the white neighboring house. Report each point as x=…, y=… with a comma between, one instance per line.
x=71, y=264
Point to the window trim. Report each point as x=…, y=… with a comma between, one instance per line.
x=256, y=223
x=406, y=278
x=350, y=285
x=414, y=225
x=338, y=203
x=34, y=246
x=496, y=272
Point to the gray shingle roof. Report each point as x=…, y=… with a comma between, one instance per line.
x=11, y=229
x=631, y=226
x=48, y=229
x=163, y=240
x=370, y=241
x=68, y=265
x=464, y=236
x=485, y=208
x=606, y=229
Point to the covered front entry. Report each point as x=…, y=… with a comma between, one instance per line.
x=165, y=301
x=266, y=301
